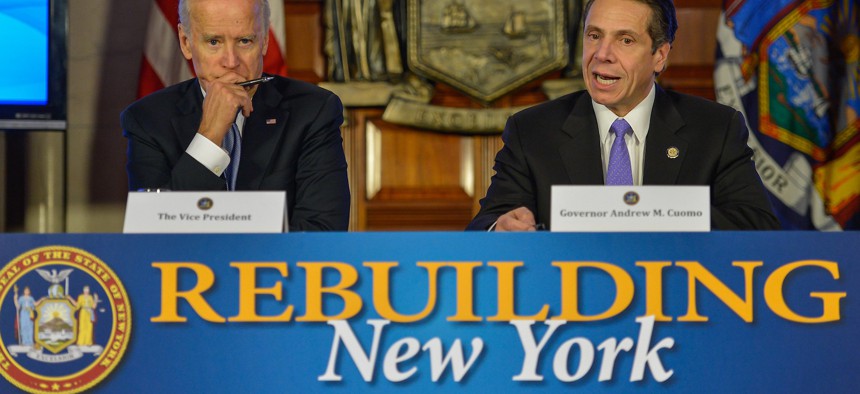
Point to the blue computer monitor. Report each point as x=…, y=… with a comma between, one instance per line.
x=33, y=73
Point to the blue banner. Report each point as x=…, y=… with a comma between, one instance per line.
x=471, y=312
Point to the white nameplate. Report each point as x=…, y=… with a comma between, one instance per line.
x=630, y=208
x=206, y=212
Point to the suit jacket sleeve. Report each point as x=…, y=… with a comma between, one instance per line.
x=149, y=151
x=512, y=186
x=738, y=200
x=322, y=190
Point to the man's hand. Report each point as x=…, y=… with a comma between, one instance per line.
x=224, y=99
x=520, y=219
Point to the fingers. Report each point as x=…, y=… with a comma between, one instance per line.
x=524, y=215
x=224, y=99
x=231, y=94
x=520, y=219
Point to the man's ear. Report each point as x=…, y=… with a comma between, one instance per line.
x=184, y=41
x=661, y=57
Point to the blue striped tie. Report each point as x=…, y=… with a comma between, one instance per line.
x=233, y=146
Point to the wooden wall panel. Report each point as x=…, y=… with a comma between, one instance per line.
x=406, y=179
x=691, y=61
x=423, y=180
x=305, y=36
x=695, y=42
x=420, y=160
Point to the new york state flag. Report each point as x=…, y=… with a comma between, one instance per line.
x=791, y=66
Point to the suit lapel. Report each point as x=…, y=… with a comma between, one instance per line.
x=261, y=135
x=581, y=152
x=660, y=167
x=185, y=125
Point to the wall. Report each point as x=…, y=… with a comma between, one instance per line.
x=105, y=45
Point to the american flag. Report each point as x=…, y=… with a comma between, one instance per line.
x=163, y=65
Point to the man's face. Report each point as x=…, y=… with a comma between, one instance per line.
x=225, y=36
x=617, y=63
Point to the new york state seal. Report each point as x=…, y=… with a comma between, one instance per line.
x=65, y=320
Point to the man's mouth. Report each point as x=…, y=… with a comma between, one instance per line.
x=605, y=80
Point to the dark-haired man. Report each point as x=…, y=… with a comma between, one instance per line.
x=664, y=138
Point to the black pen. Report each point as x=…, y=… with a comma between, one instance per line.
x=252, y=82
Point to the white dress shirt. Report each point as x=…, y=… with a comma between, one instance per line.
x=212, y=156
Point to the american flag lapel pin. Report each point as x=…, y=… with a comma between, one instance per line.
x=271, y=121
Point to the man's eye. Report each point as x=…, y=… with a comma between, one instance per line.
x=245, y=41
x=593, y=36
x=213, y=42
x=627, y=41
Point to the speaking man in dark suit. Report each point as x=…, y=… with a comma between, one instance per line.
x=209, y=133
x=668, y=138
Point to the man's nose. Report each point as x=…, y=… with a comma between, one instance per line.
x=604, y=51
x=230, y=58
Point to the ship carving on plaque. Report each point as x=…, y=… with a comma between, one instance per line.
x=515, y=25
x=456, y=18
x=510, y=43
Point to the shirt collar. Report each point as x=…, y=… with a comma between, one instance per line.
x=639, y=118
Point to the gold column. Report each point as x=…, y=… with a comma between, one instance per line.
x=45, y=189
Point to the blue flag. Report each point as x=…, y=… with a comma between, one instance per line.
x=791, y=66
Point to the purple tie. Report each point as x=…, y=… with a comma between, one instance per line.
x=233, y=146
x=619, y=172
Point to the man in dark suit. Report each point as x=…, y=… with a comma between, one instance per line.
x=287, y=132
x=690, y=141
